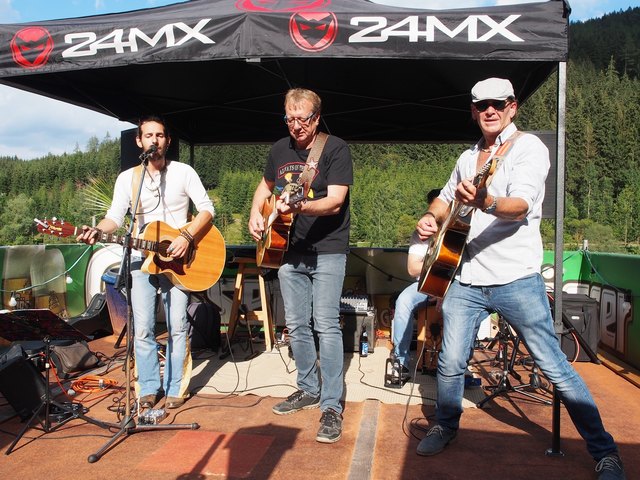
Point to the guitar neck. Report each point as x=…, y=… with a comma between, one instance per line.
x=137, y=243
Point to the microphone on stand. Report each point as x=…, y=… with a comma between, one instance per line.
x=144, y=157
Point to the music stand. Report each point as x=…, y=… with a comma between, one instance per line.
x=44, y=325
x=123, y=279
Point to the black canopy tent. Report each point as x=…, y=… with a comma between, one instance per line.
x=217, y=69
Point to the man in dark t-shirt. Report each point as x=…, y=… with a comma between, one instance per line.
x=312, y=271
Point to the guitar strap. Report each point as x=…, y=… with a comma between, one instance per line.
x=310, y=168
x=135, y=185
x=501, y=153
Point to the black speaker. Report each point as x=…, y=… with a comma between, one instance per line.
x=94, y=322
x=351, y=323
x=582, y=312
x=21, y=383
x=130, y=153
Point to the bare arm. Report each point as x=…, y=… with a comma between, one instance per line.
x=180, y=244
x=256, y=222
x=329, y=205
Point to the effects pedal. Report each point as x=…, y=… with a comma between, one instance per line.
x=152, y=416
x=392, y=375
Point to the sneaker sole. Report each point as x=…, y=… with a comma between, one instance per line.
x=328, y=440
x=308, y=407
x=430, y=454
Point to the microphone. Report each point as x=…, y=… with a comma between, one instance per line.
x=144, y=157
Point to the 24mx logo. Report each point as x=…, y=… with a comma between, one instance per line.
x=479, y=28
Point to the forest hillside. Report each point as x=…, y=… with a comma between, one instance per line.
x=602, y=165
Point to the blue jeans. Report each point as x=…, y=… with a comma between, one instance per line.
x=311, y=287
x=144, y=289
x=406, y=304
x=524, y=304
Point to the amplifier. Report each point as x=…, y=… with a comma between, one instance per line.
x=354, y=303
x=351, y=324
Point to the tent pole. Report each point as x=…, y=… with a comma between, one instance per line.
x=559, y=240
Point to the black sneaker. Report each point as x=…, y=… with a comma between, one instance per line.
x=295, y=402
x=330, y=430
x=436, y=439
x=610, y=468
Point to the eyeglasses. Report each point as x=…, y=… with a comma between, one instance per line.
x=302, y=121
x=498, y=105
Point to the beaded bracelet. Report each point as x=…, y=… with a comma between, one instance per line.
x=187, y=236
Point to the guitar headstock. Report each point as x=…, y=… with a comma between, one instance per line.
x=56, y=227
x=484, y=173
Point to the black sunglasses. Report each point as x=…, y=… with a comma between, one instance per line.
x=499, y=105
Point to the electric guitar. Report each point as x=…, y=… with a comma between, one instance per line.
x=446, y=247
x=198, y=270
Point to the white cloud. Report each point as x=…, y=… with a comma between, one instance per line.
x=8, y=14
x=33, y=126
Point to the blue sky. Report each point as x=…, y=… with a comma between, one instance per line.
x=62, y=127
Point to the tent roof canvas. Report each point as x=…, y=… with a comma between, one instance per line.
x=217, y=70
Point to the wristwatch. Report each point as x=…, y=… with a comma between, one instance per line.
x=491, y=208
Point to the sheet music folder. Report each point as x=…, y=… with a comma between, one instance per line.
x=36, y=324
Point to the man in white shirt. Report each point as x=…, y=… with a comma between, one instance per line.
x=500, y=272
x=166, y=190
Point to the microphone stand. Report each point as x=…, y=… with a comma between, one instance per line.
x=128, y=425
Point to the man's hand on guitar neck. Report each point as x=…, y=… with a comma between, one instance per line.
x=469, y=194
x=92, y=235
x=284, y=207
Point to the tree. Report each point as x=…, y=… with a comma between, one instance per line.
x=16, y=221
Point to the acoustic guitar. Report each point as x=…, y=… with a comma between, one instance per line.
x=275, y=238
x=198, y=270
x=446, y=247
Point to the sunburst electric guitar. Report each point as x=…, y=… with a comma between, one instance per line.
x=446, y=247
x=199, y=269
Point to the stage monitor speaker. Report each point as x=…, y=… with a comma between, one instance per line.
x=21, y=383
x=130, y=153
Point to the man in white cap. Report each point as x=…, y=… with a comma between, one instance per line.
x=500, y=271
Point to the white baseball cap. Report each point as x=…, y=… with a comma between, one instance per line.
x=492, y=89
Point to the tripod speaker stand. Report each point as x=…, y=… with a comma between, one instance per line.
x=503, y=338
x=45, y=325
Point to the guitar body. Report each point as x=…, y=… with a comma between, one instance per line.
x=445, y=252
x=443, y=259
x=275, y=239
x=198, y=270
